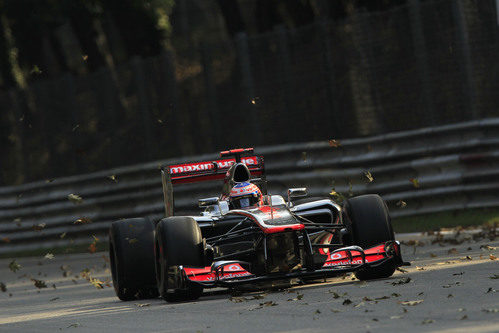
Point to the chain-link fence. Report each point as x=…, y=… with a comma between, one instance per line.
x=422, y=64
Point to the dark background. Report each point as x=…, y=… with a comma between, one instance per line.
x=87, y=85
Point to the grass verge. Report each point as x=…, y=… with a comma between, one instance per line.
x=434, y=222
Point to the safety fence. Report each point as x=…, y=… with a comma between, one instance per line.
x=417, y=172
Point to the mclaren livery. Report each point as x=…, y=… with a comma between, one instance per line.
x=247, y=237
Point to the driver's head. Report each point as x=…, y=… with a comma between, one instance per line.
x=245, y=195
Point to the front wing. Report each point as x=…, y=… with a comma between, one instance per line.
x=343, y=260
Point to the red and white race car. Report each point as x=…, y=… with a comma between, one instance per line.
x=272, y=240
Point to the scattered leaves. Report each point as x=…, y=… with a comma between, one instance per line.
x=82, y=220
x=452, y=251
x=35, y=70
x=3, y=287
x=492, y=257
x=92, y=248
x=382, y=297
x=369, y=176
x=61, y=236
x=264, y=304
x=427, y=321
x=39, y=283
x=412, y=303
x=433, y=255
x=464, y=317
x=401, y=270
x=297, y=298
x=490, y=310
x=401, y=204
x=39, y=227
x=494, y=277
x=334, y=143
x=347, y=302
x=420, y=268
x=6, y=239
x=402, y=281
x=450, y=296
x=141, y=305
x=132, y=240
x=74, y=198
x=49, y=256
x=414, y=182
x=54, y=299
x=14, y=266
x=84, y=57
x=491, y=290
x=113, y=178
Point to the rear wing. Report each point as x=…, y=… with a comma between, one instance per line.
x=206, y=171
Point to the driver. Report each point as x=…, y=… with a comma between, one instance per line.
x=244, y=195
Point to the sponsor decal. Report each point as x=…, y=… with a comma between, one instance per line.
x=231, y=268
x=203, y=166
x=234, y=275
x=343, y=263
x=334, y=256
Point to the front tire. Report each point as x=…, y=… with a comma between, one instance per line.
x=178, y=242
x=370, y=225
x=131, y=252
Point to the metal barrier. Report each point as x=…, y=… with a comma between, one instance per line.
x=431, y=170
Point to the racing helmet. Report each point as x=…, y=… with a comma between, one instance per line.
x=244, y=195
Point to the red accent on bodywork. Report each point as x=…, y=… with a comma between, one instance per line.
x=274, y=229
x=236, y=151
x=341, y=258
x=207, y=275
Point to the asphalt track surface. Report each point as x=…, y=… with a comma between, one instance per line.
x=448, y=288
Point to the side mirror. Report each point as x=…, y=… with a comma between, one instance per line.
x=297, y=193
x=208, y=202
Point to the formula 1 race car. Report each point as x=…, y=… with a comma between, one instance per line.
x=237, y=241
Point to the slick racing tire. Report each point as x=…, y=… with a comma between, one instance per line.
x=370, y=225
x=131, y=252
x=178, y=242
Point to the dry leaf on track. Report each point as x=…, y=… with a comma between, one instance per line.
x=74, y=198
x=14, y=266
x=411, y=303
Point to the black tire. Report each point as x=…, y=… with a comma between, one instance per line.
x=178, y=241
x=370, y=225
x=131, y=252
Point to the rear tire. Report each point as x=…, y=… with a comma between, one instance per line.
x=131, y=252
x=370, y=225
x=178, y=242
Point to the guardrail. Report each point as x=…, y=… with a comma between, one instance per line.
x=431, y=170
